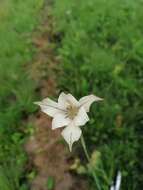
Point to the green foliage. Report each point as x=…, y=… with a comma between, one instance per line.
x=17, y=19
x=50, y=183
x=10, y=173
x=100, y=49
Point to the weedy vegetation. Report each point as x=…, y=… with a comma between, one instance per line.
x=17, y=19
x=100, y=48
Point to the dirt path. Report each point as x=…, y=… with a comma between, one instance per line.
x=46, y=153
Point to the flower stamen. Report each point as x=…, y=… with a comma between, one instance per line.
x=71, y=111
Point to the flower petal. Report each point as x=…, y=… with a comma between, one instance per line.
x=81, y=117
x=60, y=120
x=71, y=99
x=48, y=106
x=86, y=101
x=65, y=100
x=62, y=100
x=71, y=134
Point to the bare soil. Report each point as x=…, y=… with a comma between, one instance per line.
x=47, y=154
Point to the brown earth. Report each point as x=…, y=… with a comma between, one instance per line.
x=47, y=154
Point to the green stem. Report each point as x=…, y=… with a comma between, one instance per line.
x=88, y=158
x=85, y=148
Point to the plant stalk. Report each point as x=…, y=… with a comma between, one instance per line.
x=88, y=159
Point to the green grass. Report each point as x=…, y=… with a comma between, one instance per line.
x=100, y=49
x=17, y=20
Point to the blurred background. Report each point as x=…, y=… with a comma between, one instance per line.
x=80, y=47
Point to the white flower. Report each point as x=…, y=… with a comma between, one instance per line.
x=68, y=112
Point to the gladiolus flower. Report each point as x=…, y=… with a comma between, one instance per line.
x=70, y=113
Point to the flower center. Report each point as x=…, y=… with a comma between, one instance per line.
x=71, y=111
